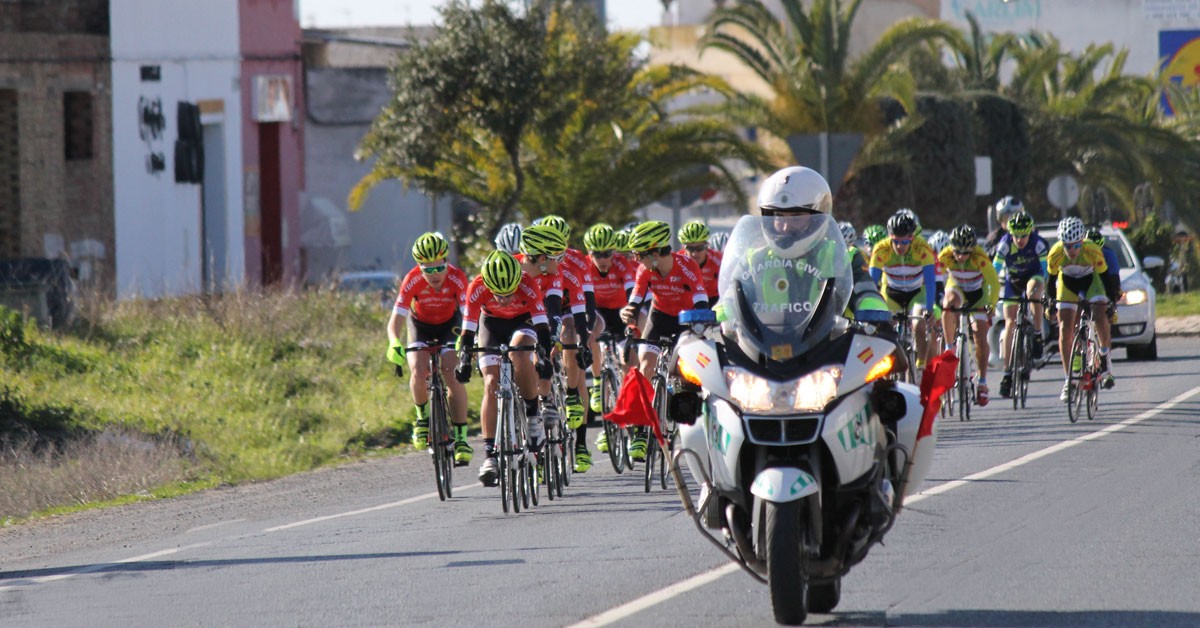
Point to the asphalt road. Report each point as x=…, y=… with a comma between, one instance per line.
x=1025, y=520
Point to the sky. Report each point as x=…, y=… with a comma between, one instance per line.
x=622, y=14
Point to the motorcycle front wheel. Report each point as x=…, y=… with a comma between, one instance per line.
x=787, y=561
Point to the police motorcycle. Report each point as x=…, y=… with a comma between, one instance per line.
x=801, y=447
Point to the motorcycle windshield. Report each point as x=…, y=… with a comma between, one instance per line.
x=785, y=281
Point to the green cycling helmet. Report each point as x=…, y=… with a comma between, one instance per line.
x=542, y=240
x=558, y=223
x=501, y=273
x=873, y=234
x=621, y=241
x=694, y=232
x=430, y=247
x=1020, y=224
x=600, y=237
x=650, y=235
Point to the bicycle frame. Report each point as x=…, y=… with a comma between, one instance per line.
x=517, y=475
x=964, y=349
x=610, y=382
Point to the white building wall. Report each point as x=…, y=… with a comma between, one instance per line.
x=1132, y=24
x=158, y=221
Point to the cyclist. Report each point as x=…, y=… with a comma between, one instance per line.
x=1021, y=260
x=939, y=240
x=872, y=234
x=428, y=311
x=971, y=282
x=1111, y=279
x=613, y=282
x=1004, y=210
x=903, y=266
x=694, y=238
x=858, y=259
x=718, y=240
x=543, y=257
x=676, y=284
x=505, y=306
x=508, y=239
x=575, y=361
x=1074, y=266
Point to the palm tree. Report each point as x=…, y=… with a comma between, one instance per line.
x=816, y=87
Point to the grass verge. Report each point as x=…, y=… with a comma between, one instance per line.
x=1186, y=304
x=192, y=392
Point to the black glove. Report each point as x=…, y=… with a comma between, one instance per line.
x=399, y=371
x=583, y=357
x=542, y=366
x=463, y=372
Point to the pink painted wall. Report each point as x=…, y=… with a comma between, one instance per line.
x=270, y=39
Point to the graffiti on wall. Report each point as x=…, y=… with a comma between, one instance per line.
x=151, y=123
x=1180, y=52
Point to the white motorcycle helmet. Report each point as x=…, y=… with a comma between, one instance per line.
x=798, y=190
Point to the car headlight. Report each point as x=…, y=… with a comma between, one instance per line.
x=1133, y=297
x=758, y=395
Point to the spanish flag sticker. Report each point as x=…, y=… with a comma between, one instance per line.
x=866, y=355
x=702, y=360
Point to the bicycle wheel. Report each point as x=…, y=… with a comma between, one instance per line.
x=549, y=464
x=516, y=461
x=1093, y=367
x=503, y=458
x=1017, y=366
x=608, y=395
x=963, y=385
x=651, y=451
x=1077, y=379
x=567, y=458
x=443, y=461
x=1027, y=363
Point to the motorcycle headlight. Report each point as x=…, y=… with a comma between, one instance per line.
x=1133, y=297
x=758, y=395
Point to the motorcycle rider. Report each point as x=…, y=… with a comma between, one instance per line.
x=789, y=196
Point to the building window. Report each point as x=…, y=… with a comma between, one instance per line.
x=77, y=125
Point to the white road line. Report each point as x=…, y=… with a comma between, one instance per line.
x=646, y=601
x=1042, y=453
x=403, y=502
x=661, y=595
x=213, y=525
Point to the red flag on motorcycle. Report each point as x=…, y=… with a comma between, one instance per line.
x=635, y=404
x=936, y=380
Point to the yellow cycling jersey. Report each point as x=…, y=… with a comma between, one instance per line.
x=902, y=272
x=974, y=273
x=1090, y=260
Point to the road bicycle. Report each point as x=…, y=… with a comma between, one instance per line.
x=1084, y=374
x=1022, y=362
x=557, y=458
x=662, y=391
x=517, y=475
x=906, y=341
x=617, y=436
x=441, y=442
x=964, y=349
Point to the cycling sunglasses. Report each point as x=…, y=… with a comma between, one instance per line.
x=433, y=270
x=697, y=248
x=1073, y=245
x=962, y=251
x=602, y=254
x=902, y=241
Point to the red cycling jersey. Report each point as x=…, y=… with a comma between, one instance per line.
x=527, y=301
x=578, y=262
x=681, y=289
x=564, y=284
x=711, y=271
x=611, y=286
x=418, y=299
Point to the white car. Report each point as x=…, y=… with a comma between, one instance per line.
x=382, y=283
x=1136, y=312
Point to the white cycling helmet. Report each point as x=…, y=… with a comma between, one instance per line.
x=1070, y=230
x=938, y=240
x=508, y=239
x=849, y=234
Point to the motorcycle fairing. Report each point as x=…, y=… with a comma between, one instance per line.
x=784, y=484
